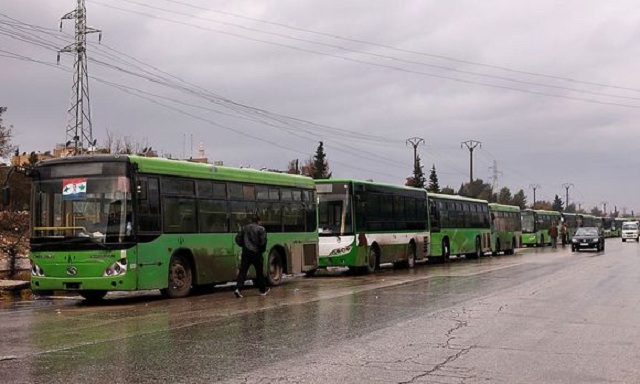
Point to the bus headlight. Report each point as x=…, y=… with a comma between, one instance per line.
x=116, y=269
x=36, y=270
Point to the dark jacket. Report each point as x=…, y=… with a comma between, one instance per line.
x=252, y=237
x=553, y=231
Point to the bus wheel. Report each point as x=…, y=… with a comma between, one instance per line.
x=411, y=256
x=446, y=251
x=180, y=278
x=93, y=296
x=373, y=260
x=478, y=252
x=311, y=272
x=275, y=271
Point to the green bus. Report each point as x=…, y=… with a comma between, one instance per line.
x=364, y=224
x=586, y=220
x=459, y=226
x=535, y=224
x=506, y=228
x=617, y=223
x=124, y=223
x=570, y=220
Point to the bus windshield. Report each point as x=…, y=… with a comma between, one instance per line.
x=97, y=208
x=528, y=222
x=334, y=214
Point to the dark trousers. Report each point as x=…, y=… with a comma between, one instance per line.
x=248, y=259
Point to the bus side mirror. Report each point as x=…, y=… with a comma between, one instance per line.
x=6, y=196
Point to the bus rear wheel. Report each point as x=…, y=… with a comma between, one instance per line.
x=93, y=296
x=372, y=262
x=410, y=262
x=180, y=278
x=276, y=269
x=446, y=251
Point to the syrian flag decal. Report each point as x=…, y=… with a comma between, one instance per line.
x=74, y=189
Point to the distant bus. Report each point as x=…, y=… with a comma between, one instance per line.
x=586, y=220
x=609, y=227
x=459, y=226
x=535, y=224
x=364, y=224
x=617, y=222
x=506, y=228
x=124, y=223
x=571, y=221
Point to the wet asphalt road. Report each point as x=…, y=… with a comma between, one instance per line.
x=540, y=316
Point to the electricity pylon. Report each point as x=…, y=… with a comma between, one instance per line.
x=79, y=130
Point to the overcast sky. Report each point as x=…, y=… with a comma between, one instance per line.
x=550, y=88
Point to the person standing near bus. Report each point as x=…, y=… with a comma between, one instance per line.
x=553, y=234
x=563, y=234
x=253, y=240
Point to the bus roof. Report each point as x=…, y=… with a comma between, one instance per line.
x=365, y=182
x=542, y=211
x=162, y=166
x=454, y=197
x=503, y=207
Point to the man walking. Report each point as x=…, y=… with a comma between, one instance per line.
x=253, y=240
x=553, y=234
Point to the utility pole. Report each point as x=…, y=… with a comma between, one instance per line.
x=604, y=203
x=415, y=141
x=79, y=130
x=471, y=145
x=566, y=186
x=494, y=175
x=534, y=187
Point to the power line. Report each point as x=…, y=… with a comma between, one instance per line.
x=395, y=48
x=396, y=68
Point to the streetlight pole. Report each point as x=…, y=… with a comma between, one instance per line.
x=534, y=187
x=604, y=203
x=471, y=145
x=415, y=141
x=566, y=186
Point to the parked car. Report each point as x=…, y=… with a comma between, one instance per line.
x=587, y=238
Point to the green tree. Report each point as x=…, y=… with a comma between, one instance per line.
x=434, y=185
x=6, y=133
x=520, y=199
x=478, y=189
x=504, y=196
x=596, y=211
x=543, y=204
x=447, y=191
x=417, y=180
x=320, y=164
x=557, y=205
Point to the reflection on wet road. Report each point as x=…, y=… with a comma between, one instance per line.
x=536, y=316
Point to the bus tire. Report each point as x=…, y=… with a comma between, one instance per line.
x=372, y=260
x=311, y=273
x=624, y=240
x=410, y=262
x=180, y=278
x=275, y=269
x=476, y=254
x=93, y=296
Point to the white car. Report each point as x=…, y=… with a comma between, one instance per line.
x=630, y=231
